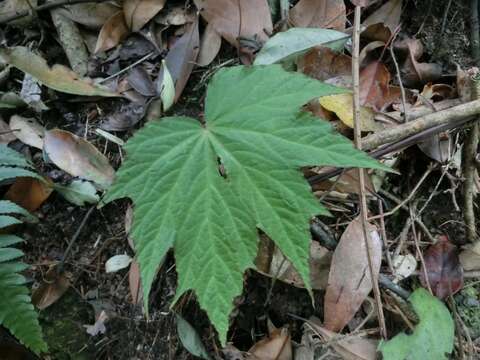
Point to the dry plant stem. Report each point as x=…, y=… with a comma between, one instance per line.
x=419, y=252
x=74, y=239
x=408, y=198
x=475, y=31
x=399, y=79
x=413, y=127
x=49, y=5
x=384, y=237
x=361, y=172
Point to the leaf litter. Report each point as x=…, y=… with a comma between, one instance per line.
x=133, y=39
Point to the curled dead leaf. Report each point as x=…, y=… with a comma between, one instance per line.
x=139, y=12
x=29, y=193
x=52, y=288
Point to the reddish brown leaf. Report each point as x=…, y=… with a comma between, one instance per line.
x=135, y=284
x=29, y=193
x=51, y=289
x=349, y=282
x=112, y=33
x=374, y=80
x=445, y=274
x=224, y=15
x=319, y=14
x=181, y=58
x=323, y=63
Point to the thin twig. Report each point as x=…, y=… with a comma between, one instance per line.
x=361, y=173
x=127, y=68
x=49, y=5
x=419, y=253
x=74, y=239
x=399, y=79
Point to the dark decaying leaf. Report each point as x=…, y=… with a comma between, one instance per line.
x=181, y=58
x=140, y=80
x=349, y=282
x=444, y=271
x=52, y=287
x=329, y=14
x=78, y=157
x=254, y=23
x=413, y=71
x=127, y=116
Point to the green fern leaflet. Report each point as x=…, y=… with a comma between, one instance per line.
x=16, y=311
x=204, y=190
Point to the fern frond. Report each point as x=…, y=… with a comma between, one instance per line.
x=17, y=313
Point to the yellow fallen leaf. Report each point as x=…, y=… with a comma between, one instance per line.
x=342, y=106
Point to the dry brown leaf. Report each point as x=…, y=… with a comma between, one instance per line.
x=114, y=31
x=181, y=58
x=278, y=346
x=319, y=261
x=27, y=130
x=139, y=12
x=52, y=288
x=414, y=72
x=348, y=182
x=349, y=282
x=329, y=14
x=57, y=77
x=374, y=89
x=209, y=46
x=92, y=15
x=323, y=63
x=224, y=15
x=134, y=283
x=29, y=193
x=381, y=24
x=470, y=257
x=349, y=347
x=78, y=157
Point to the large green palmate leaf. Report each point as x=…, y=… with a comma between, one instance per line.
x=205, y=189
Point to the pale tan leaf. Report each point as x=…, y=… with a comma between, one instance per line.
x=349, y=347
x=113, y=32
x=209, y=46
x=349, y=282
x=224, y=15
x=6, y=135
x=78, y=157
x=329, y=14
x=388, y=14
x=139, y=12
x=57, y=77
x=27, y=130
x=12, y=7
